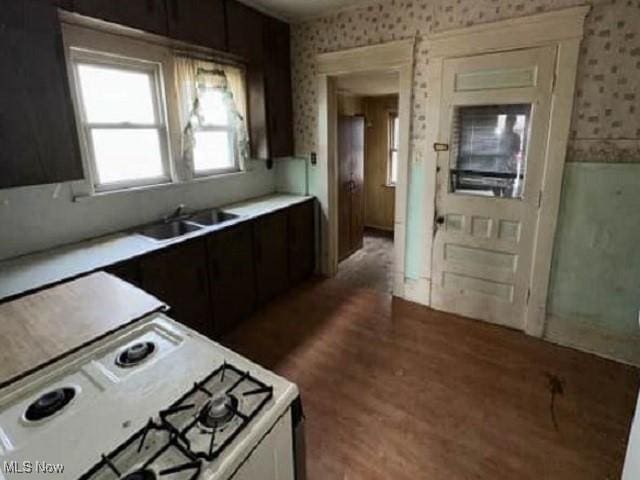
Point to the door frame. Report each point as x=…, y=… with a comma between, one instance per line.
x=392, y=56
x=562, y=29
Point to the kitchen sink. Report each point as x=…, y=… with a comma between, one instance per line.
x=166, y=231
x=212, y=217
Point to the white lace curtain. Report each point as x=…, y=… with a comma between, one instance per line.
x=194, y=78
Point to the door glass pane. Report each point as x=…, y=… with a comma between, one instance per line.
x=489, y=150
x=127, y=154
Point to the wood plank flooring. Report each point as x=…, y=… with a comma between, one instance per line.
x=394, y=391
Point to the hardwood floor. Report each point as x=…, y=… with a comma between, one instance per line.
x=395, y=391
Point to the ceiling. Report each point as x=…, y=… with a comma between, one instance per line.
x=368, y=83
x=300, y=10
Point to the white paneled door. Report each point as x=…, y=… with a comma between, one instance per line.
x=492, y=146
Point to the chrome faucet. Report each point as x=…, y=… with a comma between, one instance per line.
x=176, y=215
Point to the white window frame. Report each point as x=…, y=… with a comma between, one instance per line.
x=79, y=57
x=87, y=41
x=391, y=119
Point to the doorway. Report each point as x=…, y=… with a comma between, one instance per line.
x=367, y=157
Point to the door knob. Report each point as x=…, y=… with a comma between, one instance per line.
x=439, y=219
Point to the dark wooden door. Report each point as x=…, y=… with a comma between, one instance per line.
x=357, y=182
x=271, y=255
x=148, y=15
x=179, y=277
x=38, y=137
x=198, y=21
x=350, y=184
x=301, y=241
x=232, y=274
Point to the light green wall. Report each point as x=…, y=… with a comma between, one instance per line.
x=415, y=226
x=594, y=296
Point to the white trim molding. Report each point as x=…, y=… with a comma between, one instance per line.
x=562, y=30
x=393, y=56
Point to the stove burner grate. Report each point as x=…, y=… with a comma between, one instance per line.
x=49, y=403
x=158, y=453
x=188, y=417
x=141, y=475
x=135, y=354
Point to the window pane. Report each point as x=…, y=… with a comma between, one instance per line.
x=212, y=151
x=488, y=152
x=212, y=108
x=112, y=95
x=127, y=155
x=393, y=167
x=396, y=132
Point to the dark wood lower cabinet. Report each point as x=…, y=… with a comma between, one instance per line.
x=271, y=255
x=231, y=270
x=302, y=248
x=179, y=277
x=213, y=283
x=129, y=271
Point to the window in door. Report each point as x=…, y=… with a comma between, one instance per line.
x=392, y=163
x=489, y=150
x=123, y=120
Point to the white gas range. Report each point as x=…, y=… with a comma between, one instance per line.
x=153, y=401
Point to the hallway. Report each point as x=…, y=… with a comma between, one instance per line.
x=371, y=266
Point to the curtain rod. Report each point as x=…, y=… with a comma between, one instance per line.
x=208, y=58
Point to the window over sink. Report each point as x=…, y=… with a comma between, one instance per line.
x=149, y=115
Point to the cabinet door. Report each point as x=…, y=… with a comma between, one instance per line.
x=301, y=242
x=278, y=88
x=178, y=276
x=198, y=21
x=148, y=15
x=245, y=31
x=38, y=137
x=231, y=268
x=270, y=247
x=129, y=271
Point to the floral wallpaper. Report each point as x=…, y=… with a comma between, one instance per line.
x=606, y=120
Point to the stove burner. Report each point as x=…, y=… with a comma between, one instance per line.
x=135, y=354
x=218, y=411
x=49, y=403
x=141, y=475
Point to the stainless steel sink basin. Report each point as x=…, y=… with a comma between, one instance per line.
x=166, y=231
x=211, y=217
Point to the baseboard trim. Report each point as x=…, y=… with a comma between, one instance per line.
x=417, y=290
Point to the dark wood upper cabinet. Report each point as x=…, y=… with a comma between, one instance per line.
x=277, y=72
x=179, y=277
x=147, y=15
x=231, y=270
x=38, y=137
x=198, y=21
x=302, y=249
x=271, y=255
x=245, y=31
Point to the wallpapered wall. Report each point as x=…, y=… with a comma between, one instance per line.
x=606, y=120
x=605, y=129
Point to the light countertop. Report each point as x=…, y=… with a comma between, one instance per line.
x=34, y=271
x=38, y=328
